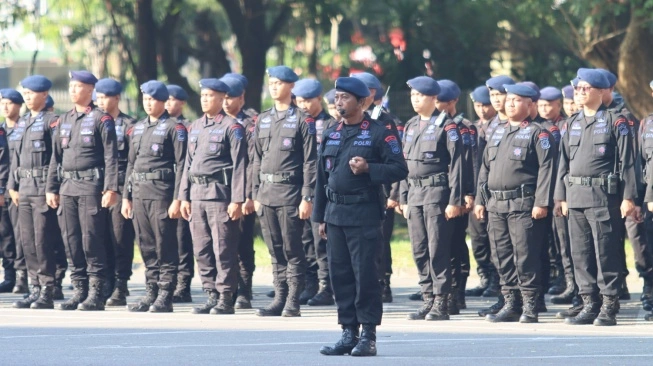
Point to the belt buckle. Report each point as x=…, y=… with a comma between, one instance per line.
x=586, y=181
x=340, y=199
x=269, y=178
x=141, y=177
x=28, y=173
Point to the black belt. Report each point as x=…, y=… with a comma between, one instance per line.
x=285, y=178
x=161, y=174
x=32, y=173
x=521, y=192
x=89, y=174
x=349, y=199
x=437, y=180
x=223, y=176
x=588, y=181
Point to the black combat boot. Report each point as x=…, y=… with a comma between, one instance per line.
x=291, y=308
x=270, y=294
x=452, y=302
x=529, y=308
x=10, y=280
x=107, y=288
x=439, y=310
x=280, y=295
x=462, y=304
x=347, y=342
x=225, y=305
x=648, y=317
x=163, y=302
x=540, y=304
x=143, y=305
x=45, y=300
x=211, y=301
x=590, y=311
x=494, y=288
x=244, y=299
x=182, y=291
x=575, y=309
x=494, y=308
x=417, y=296
x=427, y=304
x=119, y=295
x=608, y=314
x=95, y=299
x=310, y=290
x=34, y=294
x=624, y=294
x=324, y=296
x=386, y=295
x=568, y=294
x=80, y=293
x=367, y=343
x=557, y=281
x=57, y=291
x=510, y=311
x=21, y=283
x=647, y=294
x=482, y=286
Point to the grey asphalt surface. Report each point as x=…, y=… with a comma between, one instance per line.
x=117, y=337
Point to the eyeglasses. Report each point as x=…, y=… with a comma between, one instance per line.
x=584, y=89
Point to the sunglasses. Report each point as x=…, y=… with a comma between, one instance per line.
x=584, y=89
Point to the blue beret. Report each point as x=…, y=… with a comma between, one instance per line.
x=49, y=102
x=108, y=87
x=612, y=78
x=236, y=87
x=353, y=86
x=283, y=73
x=12, y=94
x=83, y=76
x=533, y=86
x=214, y=84
x=448, y=90
x=370, y=80
x=574, y=81
x=550, y=93
x=177, y=92
x=307, y=88
x=568, y=92
x=498, y=82
x=36, y=83
x=521, y=90
x=425, y=85
x=593, y=77
x=379, y=94
x=242, y=78
x=156, y=90
x=481, y=95
x=330, y=96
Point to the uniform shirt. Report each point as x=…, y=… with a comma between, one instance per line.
x=4, y=160
x=554, y=128
x=84, y=140
x=517, y=156
x=477, y=153
x=33, y=152
x=394, y=124
x=285, y=143
x=14, y=139
x=123, y=124
x=248, y=121
x=215, y=144
x=184, y=121
x=486, y=133
x=467, y=136
x=322, y=121
x=380, y=147
x=156, y=145
x=646, y=136
x=594, y=147
x=640, y=163
x=433, y=149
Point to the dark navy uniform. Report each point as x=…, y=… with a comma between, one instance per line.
x=7, y=242
x=11, y=247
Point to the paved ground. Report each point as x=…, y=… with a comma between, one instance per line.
x=116, y=337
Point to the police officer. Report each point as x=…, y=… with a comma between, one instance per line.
x=212, y=192
x=357, y=157
x=647, y=153
x=10, y=104
x=233, y=106
x=515, y=186
x=155, y=166
x=308, y=95
x=432, y=195
x=251, y=112
x=186, y=270
x=283, y=176
x=597, y=186
x=120, y=231
x=329, y=99
x=568, y=104
x=82, y=184
x=477, y=229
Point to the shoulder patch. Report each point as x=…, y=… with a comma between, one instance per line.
x=54, y=123
x=311, y=125
x=130, y=130
x=544, y=140
x=393, y=143
x=238, y=130
x=450, y=127
x=181, y=132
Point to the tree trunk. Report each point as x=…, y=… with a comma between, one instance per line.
x=254, y=69
x=146, y=34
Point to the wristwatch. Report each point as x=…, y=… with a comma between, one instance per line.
x=308, y=198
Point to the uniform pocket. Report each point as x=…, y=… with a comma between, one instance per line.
x=602, y=146
x=215, y=146
x=287, y=140
x=519, y=150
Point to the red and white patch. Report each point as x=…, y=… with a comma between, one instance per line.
x=287, y=142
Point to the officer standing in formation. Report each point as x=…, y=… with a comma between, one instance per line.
x=646, y=135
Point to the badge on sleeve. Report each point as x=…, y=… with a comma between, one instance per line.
x=181, y=132
x=393, y=143
x=108, y=122
x=311, y=125
x=238, y=131
x=544, y=141
x=622, y=126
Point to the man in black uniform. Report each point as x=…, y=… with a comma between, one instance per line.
x=8, y=248
x=432, y=195
x=212, y=192
x=478, y=228
x=233, y=107
x=597, y=186
x=84, y=170
x=308, y=96
x=186, y=269
x=283, y=176
x=647, y=154
x=154, y=170
x=329, y=99
x=120, y=231
x=357, y=157
x=10, y=104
